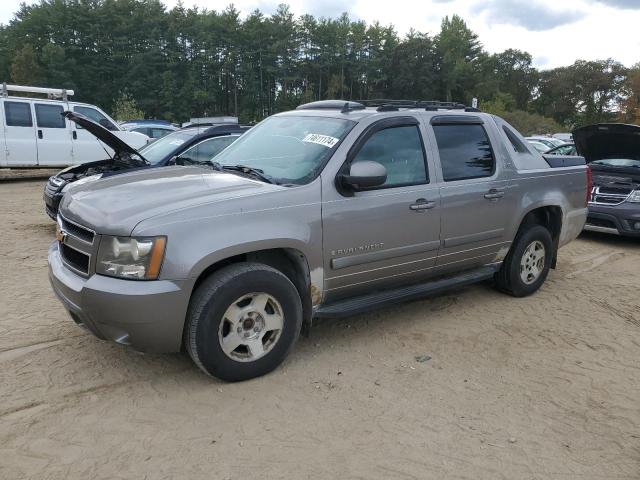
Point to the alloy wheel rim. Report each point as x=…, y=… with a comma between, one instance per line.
x=532, y=262
x=251, y=327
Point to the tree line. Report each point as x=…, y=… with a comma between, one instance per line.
x=184, y=62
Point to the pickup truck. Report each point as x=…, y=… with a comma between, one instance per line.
x=329, y=210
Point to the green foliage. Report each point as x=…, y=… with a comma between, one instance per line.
x=126, y=108
x=25, y=68
x=187, y=62
x=532, y=123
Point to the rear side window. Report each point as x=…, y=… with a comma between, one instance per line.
x=465, y=151
x=206, y=150
x=17, y=114
x=399, y=149
x=49, y=116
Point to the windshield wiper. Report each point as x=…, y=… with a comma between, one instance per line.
x=256, y=172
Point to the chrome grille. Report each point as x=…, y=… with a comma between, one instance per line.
x=608, y=195
x=77, y=246
x=82, y=233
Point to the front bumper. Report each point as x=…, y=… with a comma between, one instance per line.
x=617, y=219
x=148, y=315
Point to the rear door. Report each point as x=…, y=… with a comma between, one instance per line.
x=53, y=135
x=19, y=133
x=477, y=201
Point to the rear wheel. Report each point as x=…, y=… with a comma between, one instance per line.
x=527, y=264
x=242, y=321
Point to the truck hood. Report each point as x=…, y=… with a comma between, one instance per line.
x=115, y=205
x=608, y=140
x=118, y=146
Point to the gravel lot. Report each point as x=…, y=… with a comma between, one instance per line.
x=535, y=388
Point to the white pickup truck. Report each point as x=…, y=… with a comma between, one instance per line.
x=33, y=132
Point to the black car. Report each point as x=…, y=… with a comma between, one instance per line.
x=613, y=152
x=195, y=144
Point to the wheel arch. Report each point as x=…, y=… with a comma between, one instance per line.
x=550, y=217
x=291, y=261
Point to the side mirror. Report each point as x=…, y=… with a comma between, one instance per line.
x=365, y=174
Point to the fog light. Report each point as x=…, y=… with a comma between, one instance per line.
x=636, y=225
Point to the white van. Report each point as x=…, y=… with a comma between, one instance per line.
x=35, y=134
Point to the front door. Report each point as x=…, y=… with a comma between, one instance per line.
x=19, y=134
x=387, y=235
x=53, y=135
x=477, y=200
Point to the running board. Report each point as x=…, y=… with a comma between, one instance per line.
x=372, y=301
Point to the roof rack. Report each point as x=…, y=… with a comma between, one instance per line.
x=53, y=93
x=343, y=105
x=384, y=105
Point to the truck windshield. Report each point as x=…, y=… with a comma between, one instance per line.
x=289, y=149
x=157, y=151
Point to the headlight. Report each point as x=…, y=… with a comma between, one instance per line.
x=133, y=258
x=634, y=197
x=82, y=181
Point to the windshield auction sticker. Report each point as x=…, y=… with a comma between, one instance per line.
x=324, y=140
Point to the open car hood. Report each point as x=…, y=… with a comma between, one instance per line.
x=102, y=134
x=608, y=140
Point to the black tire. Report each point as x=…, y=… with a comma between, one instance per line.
x=208, y=306
x=508, y=278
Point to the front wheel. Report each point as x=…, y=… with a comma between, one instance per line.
x=242, y=321
x=527, y=264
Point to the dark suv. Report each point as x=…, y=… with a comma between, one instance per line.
x=196, y=144
x=613, y=152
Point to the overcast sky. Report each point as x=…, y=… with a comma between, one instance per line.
x=555, y=32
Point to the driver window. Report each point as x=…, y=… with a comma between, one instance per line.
x=206, y=150
x=399, y=149
x=96, y=116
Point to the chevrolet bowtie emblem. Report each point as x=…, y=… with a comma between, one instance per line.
x=61, y=235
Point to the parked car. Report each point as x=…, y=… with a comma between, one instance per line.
x=613, y=153
x=326, y=211
x=37, y=135
x=192, y=145
x=550, y=142
x=153, y=129
x=564, y=149
x=539, y=146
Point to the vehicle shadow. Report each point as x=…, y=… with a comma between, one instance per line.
x=610, y=240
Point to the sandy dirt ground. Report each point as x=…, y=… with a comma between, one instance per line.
x=546, y=387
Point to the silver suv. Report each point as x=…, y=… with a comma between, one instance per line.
x=329, y=210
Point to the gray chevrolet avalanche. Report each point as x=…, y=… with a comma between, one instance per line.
x=326, y=211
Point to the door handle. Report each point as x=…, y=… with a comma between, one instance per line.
x=494, y=194
x=74, y=135
x=40, y=134
x=422, y=204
